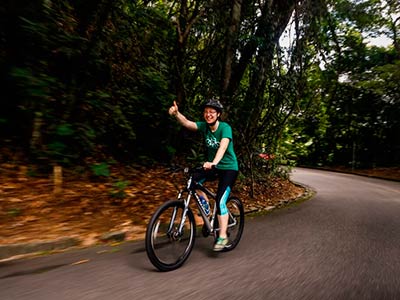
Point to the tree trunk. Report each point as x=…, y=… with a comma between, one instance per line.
x=230, y=40
x=275, y=16
x=57, y=179
x=183, y=25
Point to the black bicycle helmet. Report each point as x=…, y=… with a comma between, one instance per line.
x=214, y=103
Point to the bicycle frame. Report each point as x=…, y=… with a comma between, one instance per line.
x=191, y=192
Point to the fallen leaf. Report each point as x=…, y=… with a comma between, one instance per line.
x=80, y=262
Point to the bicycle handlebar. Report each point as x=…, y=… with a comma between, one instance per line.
x=188, y=170
x=200, y=168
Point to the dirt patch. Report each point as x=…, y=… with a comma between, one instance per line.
x=31, y=210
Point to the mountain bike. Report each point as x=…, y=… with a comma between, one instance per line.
x=171, y=231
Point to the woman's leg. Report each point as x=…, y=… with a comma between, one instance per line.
x=226, y=181
x=223, y=225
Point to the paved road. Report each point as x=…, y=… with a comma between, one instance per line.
x=342, y=244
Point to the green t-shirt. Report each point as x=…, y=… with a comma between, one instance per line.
x=213, y=139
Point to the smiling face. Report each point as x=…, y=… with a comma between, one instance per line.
x=211, y=115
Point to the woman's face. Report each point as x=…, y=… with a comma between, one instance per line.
x=210, y=115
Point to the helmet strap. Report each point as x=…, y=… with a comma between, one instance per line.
x=212, y=124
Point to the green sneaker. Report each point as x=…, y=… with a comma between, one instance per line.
x=220, y=244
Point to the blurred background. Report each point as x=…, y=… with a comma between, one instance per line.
x=87, y=84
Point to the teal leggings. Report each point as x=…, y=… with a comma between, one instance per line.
x=226, y=180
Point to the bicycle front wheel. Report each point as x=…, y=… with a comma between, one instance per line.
x=235, y=222
x=170, y=236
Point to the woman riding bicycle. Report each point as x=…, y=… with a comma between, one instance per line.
x=221, y=159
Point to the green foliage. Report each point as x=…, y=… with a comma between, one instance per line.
x=118, y=189
x=14, y=212
x=93, y=81
x=348, y=114
x=101, y=170
x=101, y=89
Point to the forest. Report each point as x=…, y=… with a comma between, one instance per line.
x=88, y=84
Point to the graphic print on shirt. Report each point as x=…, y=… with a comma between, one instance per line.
x=212, y=142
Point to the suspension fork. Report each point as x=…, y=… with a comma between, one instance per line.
x=172, y=221
x=184, y=214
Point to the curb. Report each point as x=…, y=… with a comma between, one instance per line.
x=16, y=250
x=308, y=194
x=351, y=173
x=19, y=250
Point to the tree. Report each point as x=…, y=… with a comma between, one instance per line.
x=355, y=89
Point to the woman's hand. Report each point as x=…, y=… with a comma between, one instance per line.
x=173, y=110
x=208, y=165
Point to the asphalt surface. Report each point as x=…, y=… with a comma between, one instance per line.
x=344, y=243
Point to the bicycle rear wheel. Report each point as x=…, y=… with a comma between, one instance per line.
x=167, y=247
x=235, y=222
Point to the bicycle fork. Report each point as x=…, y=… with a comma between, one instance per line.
x=178, y=232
